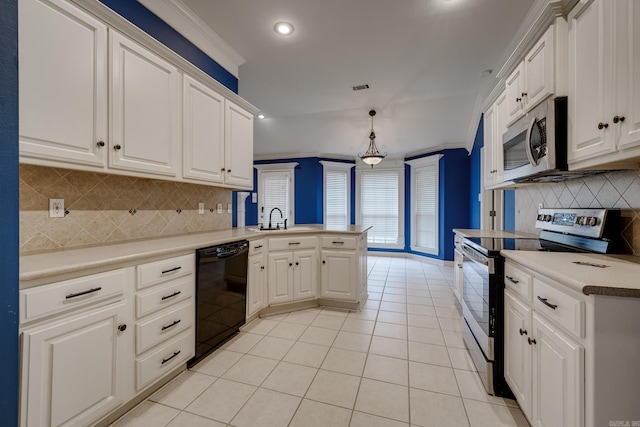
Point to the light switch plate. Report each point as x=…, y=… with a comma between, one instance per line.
x=200, y=208
x=56, y=208
x=229, y=208
x=254, y=197
x=219, y=208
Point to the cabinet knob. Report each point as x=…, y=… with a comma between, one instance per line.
x=617, y=119
x=229, y=170
x=290, y=264
x=297, y=263
x=222, y=169
x=531, y=341
x=262, y=267
x=524, y=94
x=117, y=147
x=324, y=262
x=101, y=143
x=122, y=327
x=523, y=331
x=518, y=99
x=603, y=125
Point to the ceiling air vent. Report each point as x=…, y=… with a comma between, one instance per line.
x=361, y=87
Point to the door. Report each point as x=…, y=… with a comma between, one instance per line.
x=203, y=133
x=238, y=146
x=517, y=351
x=255, y=288
x=627, y=64
x=590, y=89
x=558, y=377
x=339, y=275
x=145, y=110
x=305, y=274
x=72, y=369
x=280, y=277
x=63, y=84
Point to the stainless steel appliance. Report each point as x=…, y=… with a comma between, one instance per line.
x=535, y=147
x=221, y=291
x=563, y=230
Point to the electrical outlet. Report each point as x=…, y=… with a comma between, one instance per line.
x=254, y=197
x=229, y=208
x=219, y=208
x=56, y=208
x=200, y=208
x=540, y=206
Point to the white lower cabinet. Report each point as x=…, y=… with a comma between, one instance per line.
x=517, y=361
x=458, y=274
x=75, y=368
x=339, y=278
x=292, y=275
x=256, y=280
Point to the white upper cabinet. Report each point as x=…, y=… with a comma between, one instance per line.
x=145, y=109
x=495, y=119
x=63, y=85
x=534, y=79
x=203, y=133
x=604, y=85
x=238, y=146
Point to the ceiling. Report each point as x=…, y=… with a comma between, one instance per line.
x=423, y=59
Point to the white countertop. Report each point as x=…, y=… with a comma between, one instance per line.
x=34, y=268
x=496, y=234
x=621, y=277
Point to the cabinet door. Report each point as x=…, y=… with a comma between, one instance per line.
x=280, y=277
x=72, y=370
x=590, y=89
x=500, y=127
x=514, y=91
x=238, y=146
x=489, y=129
x=145, y=110
x=63, y=84
x=539, y=70
x=339, y=275
x=558, y=377
x=305, y=274
x=457, y=274
x=517, y=351
x=255, y=290
x=203, y=133
x=627, y=64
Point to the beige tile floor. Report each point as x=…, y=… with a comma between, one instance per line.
x=398, y=362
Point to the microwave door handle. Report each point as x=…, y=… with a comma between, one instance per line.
x=527, y=141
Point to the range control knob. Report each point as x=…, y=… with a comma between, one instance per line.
x=540, y=217
x=582, y=220
x=548, y=218
x=593, y=221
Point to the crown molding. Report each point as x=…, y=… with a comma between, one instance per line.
x=285, y=156
x=186, y=22
x=450, y=146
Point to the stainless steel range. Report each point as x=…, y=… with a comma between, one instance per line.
x=562, y=230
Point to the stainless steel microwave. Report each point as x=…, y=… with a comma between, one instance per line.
x=535, y=147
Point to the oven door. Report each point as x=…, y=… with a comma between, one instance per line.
x=477, y=271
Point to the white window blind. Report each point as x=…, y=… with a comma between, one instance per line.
x=336, y=198
x=274, y=193
x=379, y=205
x=426, y=207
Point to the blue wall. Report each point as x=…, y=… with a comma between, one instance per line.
x=509, y=210
x=475, y=169
x=9, y=244
x=158, y=29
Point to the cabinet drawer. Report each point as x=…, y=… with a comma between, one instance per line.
x=70, y=294
x=292, y=243
x=164, y=359
x=165, y=295
x=566, y=310
x=518, y=280
x=159, y=271
x=256, y=247
x=153, y=331
x=339, y=242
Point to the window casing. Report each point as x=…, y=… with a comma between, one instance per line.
x=276, y=190
x=380, y=205
x=425, y=204
x=336, y=194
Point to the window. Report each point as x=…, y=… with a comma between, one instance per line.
x=424, y=204
x=276, y=190
x=337, y=194
x=380, y=205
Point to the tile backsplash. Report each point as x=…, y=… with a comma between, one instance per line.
x=104, y=208
x=619, y=189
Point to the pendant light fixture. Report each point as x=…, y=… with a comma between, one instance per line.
x=372, y=156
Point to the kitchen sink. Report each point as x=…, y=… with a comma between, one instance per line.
x=292, y=229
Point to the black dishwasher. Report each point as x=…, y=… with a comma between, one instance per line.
x=221, y=293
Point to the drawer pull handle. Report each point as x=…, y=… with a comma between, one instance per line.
x=171, y=270
x=172, y=295
x=544, y=301
x=165, y=327
x=338, y=243
x=293, y=243
x=79, y=294
x=531, y=341
x=257, y=247
x=523, y=331
x=512, y=280
x=175, y=353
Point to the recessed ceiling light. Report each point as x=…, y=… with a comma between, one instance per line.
x=261, y=116
x=283, y=28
